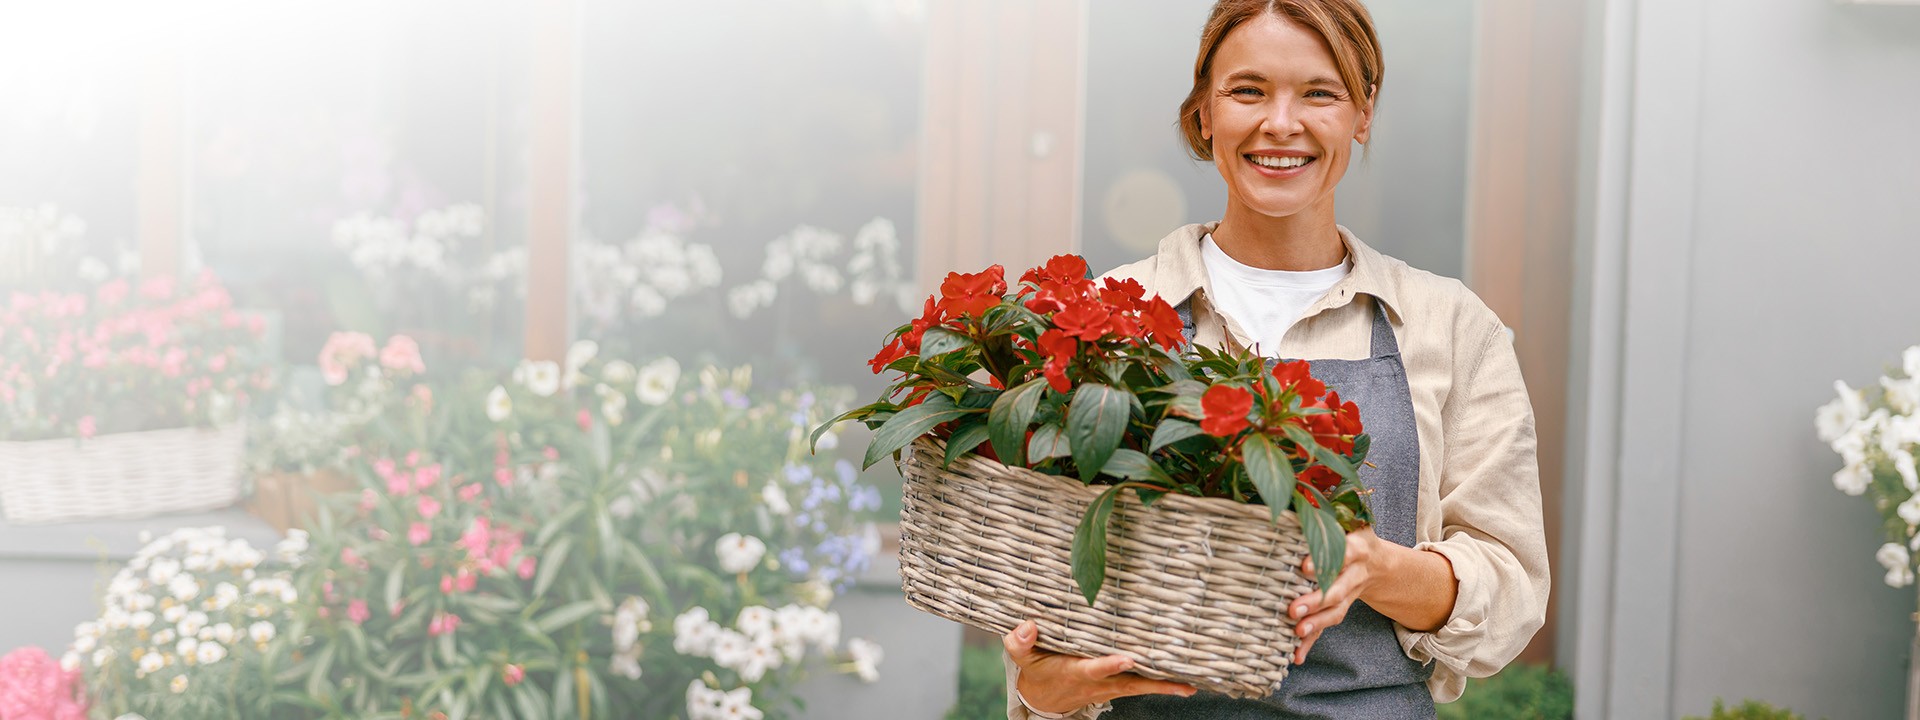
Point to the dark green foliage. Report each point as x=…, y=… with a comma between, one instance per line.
x=983, y=685
x=1520, y=692
x=1748, y=710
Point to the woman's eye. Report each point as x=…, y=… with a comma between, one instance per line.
x=1246, y=92
x=1322, y=95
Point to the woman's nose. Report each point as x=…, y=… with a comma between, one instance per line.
x=1282, y=120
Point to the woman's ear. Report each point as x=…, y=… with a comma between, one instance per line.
x=1364, y=129
x=1206, y=129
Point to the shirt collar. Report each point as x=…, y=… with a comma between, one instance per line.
x=1180, y=270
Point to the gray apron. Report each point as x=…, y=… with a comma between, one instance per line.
x=1356, y=669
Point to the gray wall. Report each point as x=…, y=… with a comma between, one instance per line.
x=1752, y=231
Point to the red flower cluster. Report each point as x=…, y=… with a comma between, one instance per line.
x=1085, y=312
x=1225, y=409
x=961, y=295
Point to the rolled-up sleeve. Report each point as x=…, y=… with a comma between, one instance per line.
x=1492, y=528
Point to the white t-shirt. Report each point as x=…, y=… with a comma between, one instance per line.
x=1265, y=303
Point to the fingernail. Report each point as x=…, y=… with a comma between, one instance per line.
x=1026, y=633
x=1306, y=628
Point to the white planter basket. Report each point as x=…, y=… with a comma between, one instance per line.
x=122, y=475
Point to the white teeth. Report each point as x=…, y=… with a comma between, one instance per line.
x=1279, y=162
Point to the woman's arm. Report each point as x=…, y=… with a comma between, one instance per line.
x=1415, y=588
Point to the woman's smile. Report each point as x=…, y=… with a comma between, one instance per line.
x=1279, y=165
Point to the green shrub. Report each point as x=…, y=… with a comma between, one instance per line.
x=1520, y=692
x=1748, y=710
x=983, y=685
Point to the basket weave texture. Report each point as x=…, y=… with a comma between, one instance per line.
x=120, y=475
x=1196, y=588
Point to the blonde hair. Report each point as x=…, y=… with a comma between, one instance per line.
x=1346, y=25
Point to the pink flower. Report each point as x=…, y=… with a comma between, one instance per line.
x=512, y=675
x=550, y=453
x=469, y=492
x=342, y=353
x=398, y=483
x=398, y=606
x=477, y=538
x=419, y=533
x=526, y=568
x=368, y=500
x=465, y=581
x=446, y=584
x=585, y=420
x=357, y=612
x=427, y=477
x=85, y=426
x=429, y=507
x=413, y=458
x=402, y=354
x=33, y=685
x=442, y=624
x=423, y=396
x=503, y=477
x=218, y=363
x=352, y=559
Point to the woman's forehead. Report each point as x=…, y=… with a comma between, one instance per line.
x=1269, y=48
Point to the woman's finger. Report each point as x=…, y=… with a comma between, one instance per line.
x=1019, y=642
x=1105, y=667
x=1306, y=643
x=1144, y=686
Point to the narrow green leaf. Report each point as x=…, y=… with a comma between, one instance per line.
x=1171, y=431
x=937, y=341
x=1090, y=545
x=1269, y=470
x=909, y=424
x=530, y=708
x=1008, y=420
x=965, y=438
x=1135, y=465
x=395, y=577
x=1048, y=442
x=1325, y=540
x=1095, y=421
x=550, y=563
x=318, y=684
x=813, y=441
x=566, y=615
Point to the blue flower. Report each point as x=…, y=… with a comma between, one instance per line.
x=797, y=473
x=847, y=473
x=734, y=399
x=794, y=560
x=864, y=498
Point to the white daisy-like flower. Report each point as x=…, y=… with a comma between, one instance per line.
x=756, y=621
x=776, y=499
x=261, y=632
x=151, y=663
x=866, y=656
x=164, y=637
x=693, y=633
x=739, y=553
x=499, y=404
x=619, y=373
x=102, y=656
x=178, y=684
x=184, y=588
x=210, y=652
x=141, y=620
x=657, y=381
x=1853, y=479
x=541, y=377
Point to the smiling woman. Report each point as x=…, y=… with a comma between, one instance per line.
x=1451, y=580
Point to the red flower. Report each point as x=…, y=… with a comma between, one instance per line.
x=1297, y=376
x=1060, y=268
x=972, y=293
x=512, y=675
x=1122, y=293
x=1087, y=321
x=893, y=351
x=1162, y=323
x=1226, y=409
x=1058, y=348
x=1321, y=478
x=1053, y=296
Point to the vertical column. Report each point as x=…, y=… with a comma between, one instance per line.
x=160, y=183
x=1520, y=218
x=1000, y=178
x=554, y=101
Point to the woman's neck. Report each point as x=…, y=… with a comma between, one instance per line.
x=1307, y=240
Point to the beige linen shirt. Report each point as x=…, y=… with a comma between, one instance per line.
x=1479, y=502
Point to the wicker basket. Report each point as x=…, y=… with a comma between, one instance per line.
x=122, y=475
x=1196, y=589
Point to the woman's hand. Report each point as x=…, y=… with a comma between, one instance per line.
x=1055, y=683
x=1415, y=588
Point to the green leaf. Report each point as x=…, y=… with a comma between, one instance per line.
x=1334, y=462
x=937, y=341
x=1048, y=442
x=1170, y=432
x=530, y=707
x=317, y=681
x=1135, y=465
x=550, y=564
x=1095, y=421
x=395, y=577
x=1325, y=541
x=909, y=424
x=1090, y=545
x=813, y=441
x=1008, y=420
x=965, y=438
x=566, y=615
x=1270, y=471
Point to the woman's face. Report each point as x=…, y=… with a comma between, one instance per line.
x=1281, y=123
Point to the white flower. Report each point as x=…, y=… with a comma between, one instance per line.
x=866, y=658
x=183, y=588
x=224, y=596
x=657, y=381
x=542, y=377
x=648, y=301
x=738, y=705
x=499, y=404
x=1903, y=464
x=84, y=643
x=1835, y=418
x=578, y=355
x=756, y=621
x=1903, y=395
x=151, y=662
x=1853, y=479
x=178, y=684
x=162, y=571
x=739, y=553
x=730, y=648
x=70, y=662
x=141, y=620
x=224, y=633
x=1910, y=361
x=1900, y=577
x=613, y=406
x=694, y=632
x=618, y=372
x=1893, y=555
x=629, y=620
x=163, y=637
x=1852, y=446
x=102, y=656
x=192, y=623
x=292, y=547
x=210, y=653
x=186, y=647
x=758, y=659
x=625, y=665
x=262, y=632
x=703, y=702
x=776, y=499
